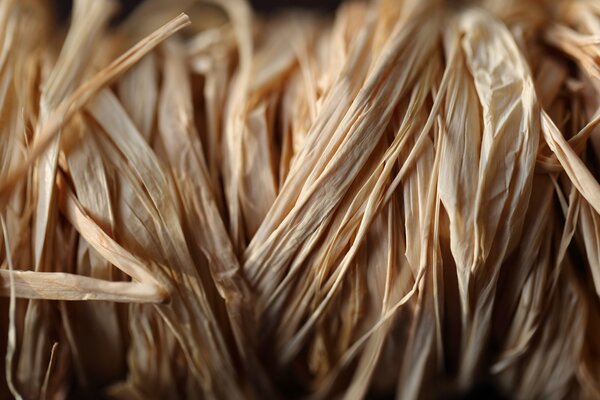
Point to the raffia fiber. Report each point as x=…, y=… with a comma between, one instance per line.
x=398, y=200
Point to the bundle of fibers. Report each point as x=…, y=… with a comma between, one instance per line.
x=399, y=199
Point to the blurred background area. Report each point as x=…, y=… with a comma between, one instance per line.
x=63, y=7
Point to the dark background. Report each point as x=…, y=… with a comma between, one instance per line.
x=63, y=7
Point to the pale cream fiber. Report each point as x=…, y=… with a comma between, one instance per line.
x=397, y=200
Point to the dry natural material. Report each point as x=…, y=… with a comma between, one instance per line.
x=400, y=199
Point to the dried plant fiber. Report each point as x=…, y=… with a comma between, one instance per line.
x=397, y=200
